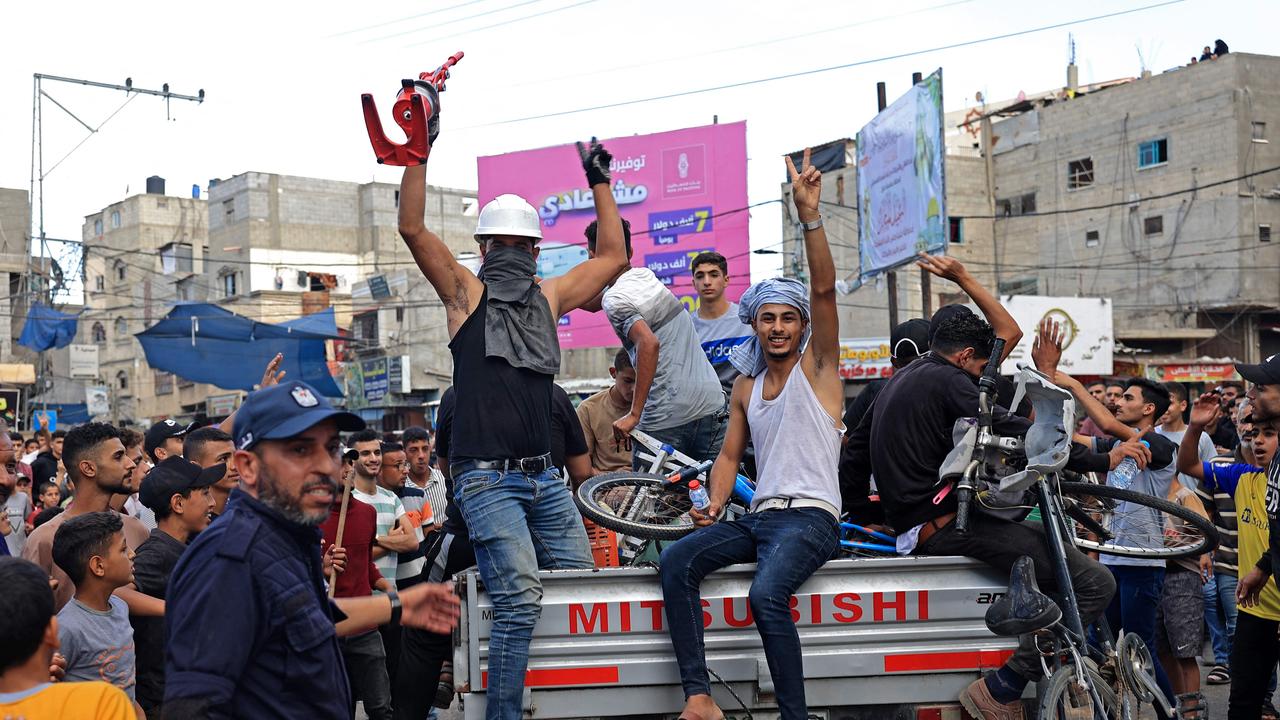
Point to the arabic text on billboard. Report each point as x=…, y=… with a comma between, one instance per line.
x=683, y=192
x=1089, y=343
x=901, y=207
x=865, y=359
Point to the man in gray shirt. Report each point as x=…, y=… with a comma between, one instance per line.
x=678, y=397
x=716, y=321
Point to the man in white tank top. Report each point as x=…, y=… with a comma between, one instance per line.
x=792, y=527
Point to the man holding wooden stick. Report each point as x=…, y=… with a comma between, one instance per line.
x=350, y=530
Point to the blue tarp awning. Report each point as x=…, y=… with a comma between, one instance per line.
x=209, y=344
x=47, y=328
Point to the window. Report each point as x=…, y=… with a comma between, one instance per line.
x=97, y=227
x=122, y=380
x=1153, y=225
x=115, y=218
x=99, y=283
x=955, y=230
x=1080, y=173
x=1091, y=238
x=1020, y=286
x=229, y=208
x=1020, y=205
x=175, y=257
x=1259, y=132
x=365, y=326
x=121, y=328
x=399, y=314
x=185, y=288
x=1152, y=153
x=397, y=198
x=229, y=284
x=99, y=333
x=1264, y=233
x=164, y=383
x=120, y=271
x=162, y=203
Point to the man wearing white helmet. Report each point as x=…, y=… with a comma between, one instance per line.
x=502, y=326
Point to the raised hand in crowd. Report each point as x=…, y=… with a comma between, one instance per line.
x=1046, y=350
x=1205, y=410
x=273, y=374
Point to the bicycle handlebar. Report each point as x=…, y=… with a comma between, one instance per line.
x=987, y=395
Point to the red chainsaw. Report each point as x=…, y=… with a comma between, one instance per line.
x=416, y=111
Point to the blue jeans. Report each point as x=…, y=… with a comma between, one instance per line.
x=1220, y=614
x=519, y=523
x=787, y=547
x=699, y=439
x=1133, y=609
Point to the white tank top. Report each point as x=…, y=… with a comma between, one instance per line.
x=797, y=442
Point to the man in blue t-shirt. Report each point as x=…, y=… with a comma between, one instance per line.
x=716, y=320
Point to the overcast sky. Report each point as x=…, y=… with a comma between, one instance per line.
x=283, y=79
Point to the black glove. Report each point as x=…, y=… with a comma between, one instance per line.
x=596, y=162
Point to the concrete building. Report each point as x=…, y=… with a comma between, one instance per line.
x=15, y=244
x=141, y=254
x=283, y=246
x=1137, y=190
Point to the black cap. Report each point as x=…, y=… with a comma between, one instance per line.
x=175, y=475
x=910, y=339
x=163, y=430
x=1266, y=372
x=945, y=313
x=284, y=411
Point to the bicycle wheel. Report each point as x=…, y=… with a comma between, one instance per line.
x=1066, y=699
x=1131, y=524
x=636, y=504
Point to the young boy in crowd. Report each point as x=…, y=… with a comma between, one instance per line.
x=30, y=634
x=93, y=629
x=1255, y=647
x=177, y=492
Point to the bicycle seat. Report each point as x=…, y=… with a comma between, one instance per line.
x=1024, y=609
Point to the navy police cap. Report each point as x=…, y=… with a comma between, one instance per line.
x=284, y=411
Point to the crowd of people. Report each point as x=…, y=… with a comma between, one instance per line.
x=290, y=563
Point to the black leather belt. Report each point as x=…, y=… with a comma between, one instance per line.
x=529, y=465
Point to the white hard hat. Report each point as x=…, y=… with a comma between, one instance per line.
x=508, y=215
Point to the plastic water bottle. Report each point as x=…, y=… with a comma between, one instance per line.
x=698, y=496
x=1122, y=477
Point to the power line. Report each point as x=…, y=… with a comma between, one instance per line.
x=815, y=71
x=747, y=46
x=403, y=19
x=504, y=8
x=504, y=22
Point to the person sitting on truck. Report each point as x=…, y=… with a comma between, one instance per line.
x=788, y=401
x=907, y=434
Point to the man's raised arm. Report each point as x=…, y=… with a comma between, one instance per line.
x=823, y=353
x=456, y=286
x=1001, y=321
x=585, y=280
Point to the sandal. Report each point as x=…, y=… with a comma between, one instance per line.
x=1192, y=706
x=1269, y=711
x=1219, y=675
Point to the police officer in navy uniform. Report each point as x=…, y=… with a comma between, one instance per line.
x=251, y=631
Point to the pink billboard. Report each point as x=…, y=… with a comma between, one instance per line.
x=684, y=192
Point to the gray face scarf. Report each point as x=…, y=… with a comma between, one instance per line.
x=518, y=325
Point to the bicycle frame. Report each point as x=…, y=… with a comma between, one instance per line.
x=666, y=460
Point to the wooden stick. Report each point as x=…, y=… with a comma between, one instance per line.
x=337, y=541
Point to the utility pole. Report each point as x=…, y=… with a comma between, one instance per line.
x=38, y=175
x=891, y=277
x=926, y=278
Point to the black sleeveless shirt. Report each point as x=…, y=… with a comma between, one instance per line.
x=502, y=412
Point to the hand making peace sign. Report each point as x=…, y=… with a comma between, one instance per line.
x=806, y=188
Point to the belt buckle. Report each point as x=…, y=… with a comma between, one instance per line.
x=526, y=463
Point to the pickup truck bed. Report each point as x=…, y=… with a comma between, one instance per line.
x=893, y=633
